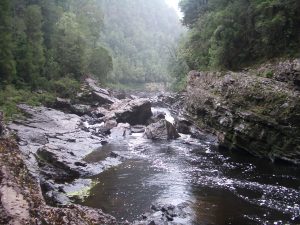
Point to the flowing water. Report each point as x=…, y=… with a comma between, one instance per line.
x=219, y=187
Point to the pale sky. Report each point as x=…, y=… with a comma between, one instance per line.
x=174, y=4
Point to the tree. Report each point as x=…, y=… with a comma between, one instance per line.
x=100, y=63
x=7, y=62
x=70, y=46
x=34, y=58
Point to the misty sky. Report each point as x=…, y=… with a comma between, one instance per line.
x=174, y=4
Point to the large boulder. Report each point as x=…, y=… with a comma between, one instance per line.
x=66, y=105
x=100, y=95
x=161, y=130
x=134, y=112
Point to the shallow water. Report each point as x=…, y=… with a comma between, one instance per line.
x=221, y=187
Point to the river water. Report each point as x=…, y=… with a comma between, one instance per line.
x=218, y=186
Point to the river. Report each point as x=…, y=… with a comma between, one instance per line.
x=211, y=185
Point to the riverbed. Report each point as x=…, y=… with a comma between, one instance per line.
x=209, y=185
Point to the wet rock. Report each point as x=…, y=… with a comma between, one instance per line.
x=155, y=208
x=134, y=112
x=161, y=130
x=138, y=129
x=80, y=110
x=113, y=155
x=99, y=112
x=157, y=117
x=108, y=125
x=167, y=214
x=183, y=125
x=196, y=133
x=80, y=164
x=52, y=168
x=123, y=130
x=100, y=95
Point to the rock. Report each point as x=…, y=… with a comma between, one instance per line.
x=123, y=130
x=100, y=95
x=62, y=104
x=54, y=169
x=80, y=110
x=65, y=105
x=99, y=112
x=80, y=164
x=161, y=130
x=134, y=112
x=108, y=125
x=248, y=112
x=138, y=129
x=182, y=125
x=113, y=155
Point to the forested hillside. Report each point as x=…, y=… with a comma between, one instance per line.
x=49, y=46
x=226, y=34
x=139, y=35
x=49, y=40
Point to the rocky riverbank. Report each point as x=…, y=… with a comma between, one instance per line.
x=257, y=110
x=49, y=147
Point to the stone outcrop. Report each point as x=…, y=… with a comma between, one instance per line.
x=161, y=130
x=93, y=93
x=134, y=112
x=249, y=112
x=65, y=105
x=287, y=71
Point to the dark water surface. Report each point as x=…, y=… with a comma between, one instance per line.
x=220, y=187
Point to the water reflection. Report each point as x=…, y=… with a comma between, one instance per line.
x=220, y=187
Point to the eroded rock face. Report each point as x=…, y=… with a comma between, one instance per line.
x=256, y=114
x=161, y=130
x=287, y=71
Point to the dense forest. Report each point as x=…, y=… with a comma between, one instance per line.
x=51, y=45
x=140, y=35
x=232, y=34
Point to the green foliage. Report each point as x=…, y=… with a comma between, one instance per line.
x=65, y=87
x=48, y=46
x=100, y=63
x=138, y=33
x=10, y=97
x=231, y=34
x=34, y=57
x=7, y=62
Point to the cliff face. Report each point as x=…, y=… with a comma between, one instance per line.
x=257, y=110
